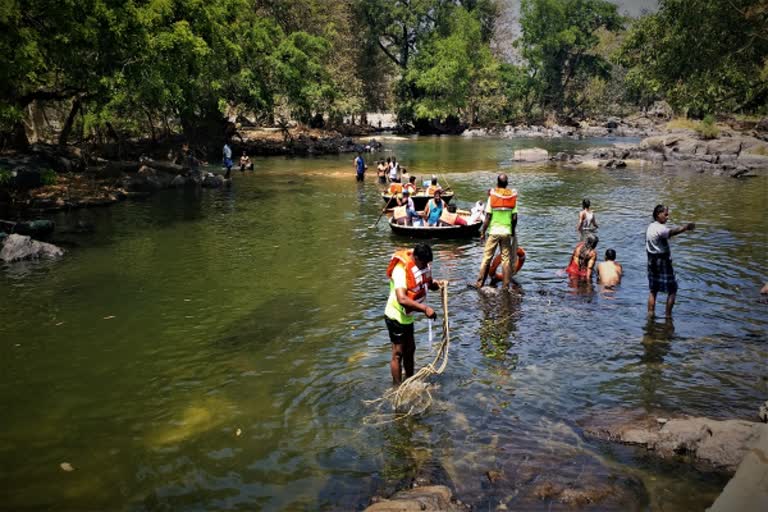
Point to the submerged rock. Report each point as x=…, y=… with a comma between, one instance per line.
x=20, y=247
x=429, y=498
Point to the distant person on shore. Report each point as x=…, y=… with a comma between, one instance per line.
x=501, y=224
x=434, y=209
x=227, y=153
x=410, y=276
x=587, y=223
x=609, y=271
x=583, y=258
x=381, y=172
x=359, y=167
x=661, y=275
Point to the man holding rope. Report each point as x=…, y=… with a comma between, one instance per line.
x=410, y=275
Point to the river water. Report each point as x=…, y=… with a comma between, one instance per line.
x=212, y=350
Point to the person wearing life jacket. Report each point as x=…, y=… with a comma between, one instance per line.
x=451, y=218
x=410, y=275
x=434, y=186
x=411, y=185
x=395, y=189
x=405, y=213
x=501, y=223
x=497, y=275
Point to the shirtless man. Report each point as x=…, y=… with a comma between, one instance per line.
x=609, y=272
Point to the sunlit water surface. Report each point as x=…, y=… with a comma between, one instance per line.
x=212, y=350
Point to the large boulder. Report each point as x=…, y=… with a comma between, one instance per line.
x=531, y=155
x=213, y=181
x=20, y=247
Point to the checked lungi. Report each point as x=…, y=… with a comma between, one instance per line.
x=661, y=275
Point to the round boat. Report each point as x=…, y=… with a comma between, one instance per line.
x=420, y=199
x=468, y=231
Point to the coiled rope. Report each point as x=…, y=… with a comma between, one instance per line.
x=413, y=397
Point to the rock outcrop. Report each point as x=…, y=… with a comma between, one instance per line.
x=714, y=444
x=20, y=247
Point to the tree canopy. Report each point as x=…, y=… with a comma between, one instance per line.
x=133, y=67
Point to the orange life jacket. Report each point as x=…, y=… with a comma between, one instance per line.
x=395, y=188
x=499, y=276
x=503, y=198
x=416, y=280
x=400, y=212
x=448, y=217
x=431, y=189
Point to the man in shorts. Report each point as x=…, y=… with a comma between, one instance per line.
x=410, y=275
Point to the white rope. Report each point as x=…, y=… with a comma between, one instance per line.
x=414, y=390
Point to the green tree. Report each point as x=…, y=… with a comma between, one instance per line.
x=703, y=56
x=558, y=42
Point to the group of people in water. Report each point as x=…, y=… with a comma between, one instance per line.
x=410, y=274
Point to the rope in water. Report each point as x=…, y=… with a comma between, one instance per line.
x=413, y=392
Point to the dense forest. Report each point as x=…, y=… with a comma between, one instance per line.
x=147, y=68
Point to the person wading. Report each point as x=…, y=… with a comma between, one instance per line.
x=410, y=275
x=501, y=223
x=661, y=275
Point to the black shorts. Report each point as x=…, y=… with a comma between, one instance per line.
x=399, y=333
x=360, y=177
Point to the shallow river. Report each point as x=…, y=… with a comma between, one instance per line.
x=213, y=350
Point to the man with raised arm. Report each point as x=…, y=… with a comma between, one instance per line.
x=661, y=275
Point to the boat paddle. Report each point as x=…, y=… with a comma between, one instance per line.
x=382, y=213
x=447, y=185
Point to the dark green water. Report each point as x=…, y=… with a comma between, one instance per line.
x=188, y=317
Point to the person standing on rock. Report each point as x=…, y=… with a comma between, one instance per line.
x=501, y=223
x=410, y=275
x=661, y=275
x=359, y=167
x=227, y=153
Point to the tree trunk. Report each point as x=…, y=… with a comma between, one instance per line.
x=67, y=129
x=151, y=126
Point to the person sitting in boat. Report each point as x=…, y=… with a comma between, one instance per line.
x=395, y=189
x=477, y=214
x=434, y=186
x=434, y=208
x=412, y=217
x=451, y=218
x=411, y=185
x=583, y=258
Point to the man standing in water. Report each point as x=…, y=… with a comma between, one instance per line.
x=410, y=274
x=359, y=167
x=501, y=223
x=661, y=275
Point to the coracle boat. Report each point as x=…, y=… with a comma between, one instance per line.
x=420, y=198
x=455, y=231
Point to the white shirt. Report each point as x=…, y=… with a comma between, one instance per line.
x=657, y=238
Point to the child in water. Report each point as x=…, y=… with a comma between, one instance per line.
x=587, y=223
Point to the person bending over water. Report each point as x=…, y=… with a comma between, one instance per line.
x=609, y=271
x=583, y=258
x=587, y=222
